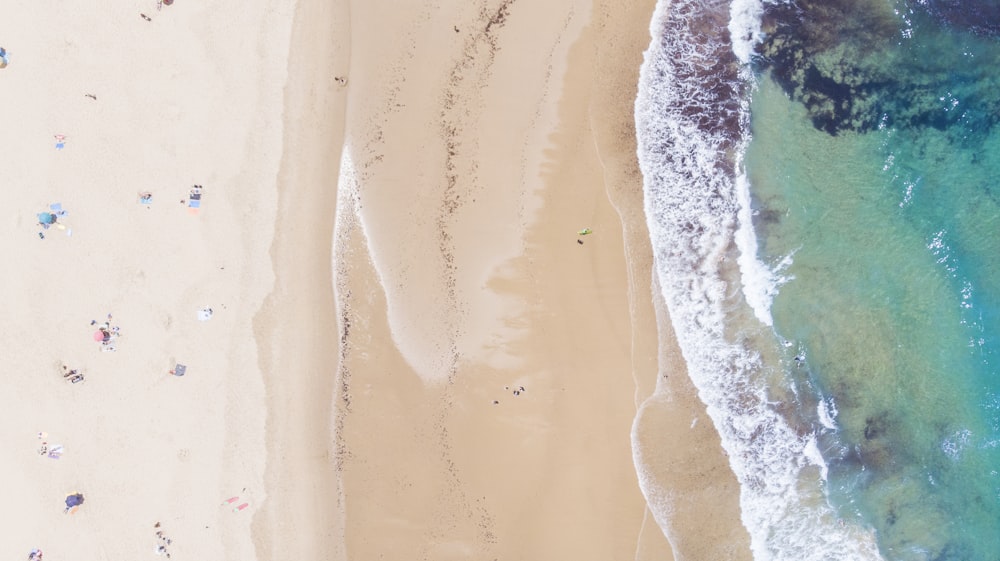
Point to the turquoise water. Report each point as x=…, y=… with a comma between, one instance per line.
x=882, y=179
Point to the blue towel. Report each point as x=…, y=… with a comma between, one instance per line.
x=194, y=203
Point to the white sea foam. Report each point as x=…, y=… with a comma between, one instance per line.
x=760, y=282
x=811, y=451
x=956, y=443
x=826, y=411
x=744, y=27
x=684, y=119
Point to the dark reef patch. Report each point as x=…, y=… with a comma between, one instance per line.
x=855, y=65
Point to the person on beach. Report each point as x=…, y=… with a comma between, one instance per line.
x=161, y=548
x=108, y=334
x=72, y=375
x=194, y=197
x=73, y=502
x=46, y=219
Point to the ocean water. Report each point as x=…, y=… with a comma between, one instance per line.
x=822, y=186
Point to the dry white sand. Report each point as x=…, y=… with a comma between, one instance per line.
x=193, y=96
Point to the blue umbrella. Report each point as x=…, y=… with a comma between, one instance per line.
x=74, y=500
x=46, y=218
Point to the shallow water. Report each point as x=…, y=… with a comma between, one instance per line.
x=894, y=305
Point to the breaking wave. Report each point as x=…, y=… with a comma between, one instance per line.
x=692, y=121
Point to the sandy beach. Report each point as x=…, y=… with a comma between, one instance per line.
x=174, y=105
x=412, y=352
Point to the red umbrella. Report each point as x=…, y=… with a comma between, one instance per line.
x=99, y=335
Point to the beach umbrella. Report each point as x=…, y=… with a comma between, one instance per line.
x=73, y=500
x=46, y=218
x=101, y=335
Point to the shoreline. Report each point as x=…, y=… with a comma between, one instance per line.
x=296, y=326
x=687, y=474
x=461, y=280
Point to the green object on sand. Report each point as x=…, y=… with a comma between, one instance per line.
x=585, y=231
